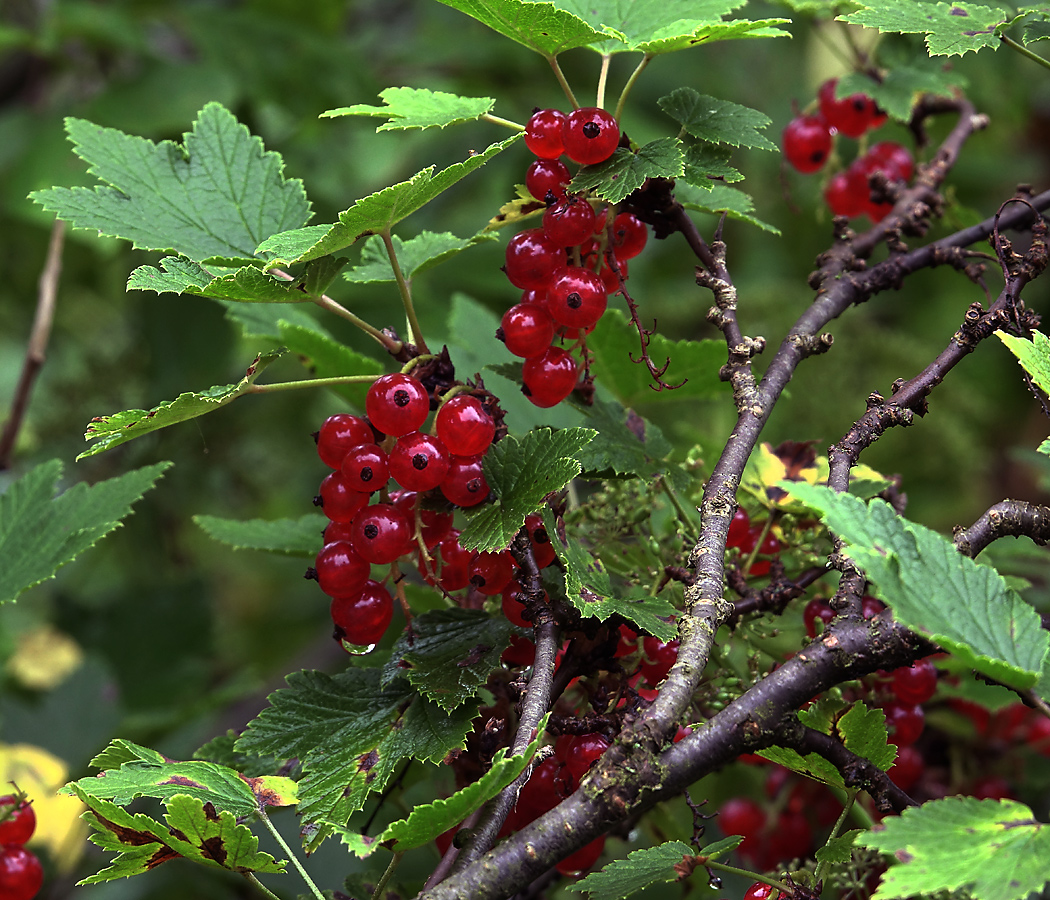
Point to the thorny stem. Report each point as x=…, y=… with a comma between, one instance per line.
x=560, y=75
x=36, y=350
x=635, y=75
x=1024, y=51
x=381, y=884
x=643, y=336
x=499, y=120
x=415, y=332
x=261, y=812
x=603, y=76
x=310, y=383
x=252, y=879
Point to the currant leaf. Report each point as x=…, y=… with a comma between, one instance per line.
x=724, y=199
x=542, y=27
x=406, y=107
x=111, y=431
x=951, y=29
x=293, y=537
x=248, y=284
x=901, y=86
x=704, y=162
x=326, y=357
x=414, y=256
x=640, y=869
x=40, y=533
x=626, y=444
x=715, y=120
x=1033, y=355
x=219, y=193
x=624, y=172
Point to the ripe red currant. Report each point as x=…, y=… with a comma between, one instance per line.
x=491, y=572
x=761, y=891
x=397, y=404
x=569, y=221
x=660, y=656
x=542, y=548
x=904, y=722
x=852, y=115
x=590, y=135
x=341, y=571
x=531, y=257
x=338, y=434
x=340, y=500
x=450, y=567
x=817, y=610
x=916, y=683
x=17, y=819
x=846, y=193
x=576, y=297
x=363, y=619
x=419, y=461
x=521, y=652
x=548, y=379
x=739, y=528
x=465, y=483
x=547, y=177
x=381, y=533
x=629, y=236
x=543, y=133
x=366, y=468
x=527, y=329
x=464, y=427
x=807, y=143
x=583, y=752
x=908, y=767
x=21, y=874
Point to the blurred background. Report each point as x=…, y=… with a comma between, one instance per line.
x=160, y=635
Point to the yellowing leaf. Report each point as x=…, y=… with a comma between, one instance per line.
x=44, y=658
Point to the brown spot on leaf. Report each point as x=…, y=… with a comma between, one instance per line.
x=956, y=11
x=366, y=762
x=215, y=848
x=475, y=656
x=903, y=855
x=183, y=781
x=161, y=856
x=179, y=835
x=209, y=812
x=636, y=425
x=129, y=836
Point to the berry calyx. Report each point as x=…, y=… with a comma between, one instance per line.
x=576, y=297
x=543, y=134
x=363, y=619
x=548, y=379
x=17, y=819
x=806, y=141
x=464, y=427
x=397, y=404
x=590, y=135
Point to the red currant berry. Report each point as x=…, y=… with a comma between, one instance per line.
x=583, y=753
x=419, y=461
x=542, y=548
x=791, y=838
x=366, y=469
x=916, y=683
x=629, y=236
x=513, y=608
x=891, y=158
x=590, y=135
x=452, y=564
x=336, y=531
x=521, y=652
x=908, y=768
x=397, y=404
x=611, y=277
x=382, y=533
x=21, y=874
x=817, y=610
x=17, y=819
x=531, y=257
x=341, y=571
x=465, y=483
x=548, y=785
x=363, y=619
x=659, y=657
x=527, y=329
x=846, y=193
x=1037, y=735
x=338, y=434
x=547, y=177
x=851, y=116
x=739, y=528
x=576, y=297
x=628, y=643
x=743, y=816
x=870, y=606
x=548, y=379
x=464, y=427
x=992, y=787
x=543, y=133
x=761, y=891
x=807, y=143
x=904, y=722
x=583, y=859
x=340, y=501
x=570, y=221
x=491, y=572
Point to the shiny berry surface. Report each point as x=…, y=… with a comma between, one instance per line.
x=590, y=135
x=340, y=500
x=576, y=297
x=363, y=619
x=629, y=236
x=491, y=572
x=21, y=875
x=338, y=434
x=846, y=193
x=569, y=221
x=543, y=133
x=550, y=378
x=916, y=683
x=852, y=115
x=17, y=820
x=465, y=483
x=547, y=177
x=341, y=571
x=527, y=329
x=464, y=427
x=419, y=461
x=659, y=657
x=366, y=468
x=397, y=404
x=530, y=258
x=806, y=142
x=381, y=533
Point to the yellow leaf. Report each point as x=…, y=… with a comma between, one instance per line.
x=44, y=658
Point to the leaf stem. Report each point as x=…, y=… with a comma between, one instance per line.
x=851, y=796
x=1024, y=51
x=680, y=510
x=291, y=854
x=747, y=873
x=381, y=885
x=253, y=880
x=603, y=77
x=560, y=75
x=310, y=383
x=499, y=120
x=415, y=333
x=635, y=75
x=388, y=343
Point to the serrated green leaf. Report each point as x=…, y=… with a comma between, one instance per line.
x=642, y=868
x=1033, y=355
x=294, y=537
x=421, y=253
x=108, y=432
x=514, y=212
x=626, y=444
x=325, y=357
x=951, y=29
x=863, y=732
x=219, y=193
x=964, y=607
x=249, y=284
x=614, y=342
x=812, y=765
x=838, y=849
x=715, y=120
x=350, y=734
x=540, y=26
x=221, y=751
x=901, y=86
x=589, y=589
x=449, y=654
x=1044, y=447
x=991, y=849
x=724, y=199
x=704, y=162
x=40, y=533
x=382, y=210
x=407, y=107
x=282, y=249
x=194, y=831
x=1036, y=29
x=521, y=472
x=624, y=172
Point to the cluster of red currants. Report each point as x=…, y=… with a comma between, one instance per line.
x=809, y=139
x=568, y=267
x=21, y=874
x=435, y=472
x=753, y=539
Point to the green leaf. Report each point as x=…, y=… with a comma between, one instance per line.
x=194, y=831
x=1033, y=355
x=989, y=849
x=325, y=357
x=539, y=26
x=283, y=248
x=624, y=172
x=966, y=608
x=257, y=321
x=521, y=472
x=589, y=589
x=724, y=199
x=40, y=533
x=351, y=733
x=407, y=107
x=717, y=121
x=108, y=432
x=641, y=869
x=704, y=162
x=626, y=444
x=249, y=284
x=903, y=83
x=951, y=29
x=449, y=654
x=423, y=252
x=615, y=344
x=838, y=849
x=219, y=193
x=294, y=537
x=384, y=209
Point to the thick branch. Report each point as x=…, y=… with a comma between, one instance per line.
x=1007, y=518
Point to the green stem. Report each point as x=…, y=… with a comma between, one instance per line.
x=753, y=555
x=388, y=343
x=747, y=873
x=553, y=60
x=291, y=855
x=603, y=77
x=415, y=332
x=380, y=887
x=635, y=75
x=310, y=383
x=683, y=516
x=851, y=796
x=499, y=120
x=1024, y=51
x=250, y=876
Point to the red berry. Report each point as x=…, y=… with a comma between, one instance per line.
x=791, y=838
x=807, y=143
x=761, y=891
x=992, y=787
x=543, y=133
x=590, y=135
x=341, y=571
x=382, y=533
x=336, y=531
x=419, y=461
x=340, y=500
x=397, y=404
x=548, y=379
x=847, y=193
x=817, y=610
x=739, y=528
x=527, y=329
x=908, y=768
x=21, y=874
x=870, y=606
x=366, y=469
x=547, y=177
x=915, y=683
x=610, y=277
x=891, y=158
x=583, y=753
x=338, y=434
x=513, y=607
x=904, y=722
x=451, y=564
x=435, y=525
x=852, y=115
x=659, y=657
x=741, y=815
x=582, y=859
x=17, y=819
x=491, y=572
x=531, y=257
x=542, y=548
x=521, y=652
x=464, y=427
x=548, y=785
x=1037, y=736
x=629, y=236
x=570, y=221
x=576, y=297
x=465, y=483
x=363, y=619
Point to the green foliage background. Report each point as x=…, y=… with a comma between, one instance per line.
x=183, y=637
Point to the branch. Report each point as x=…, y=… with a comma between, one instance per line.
x=1007, y=518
